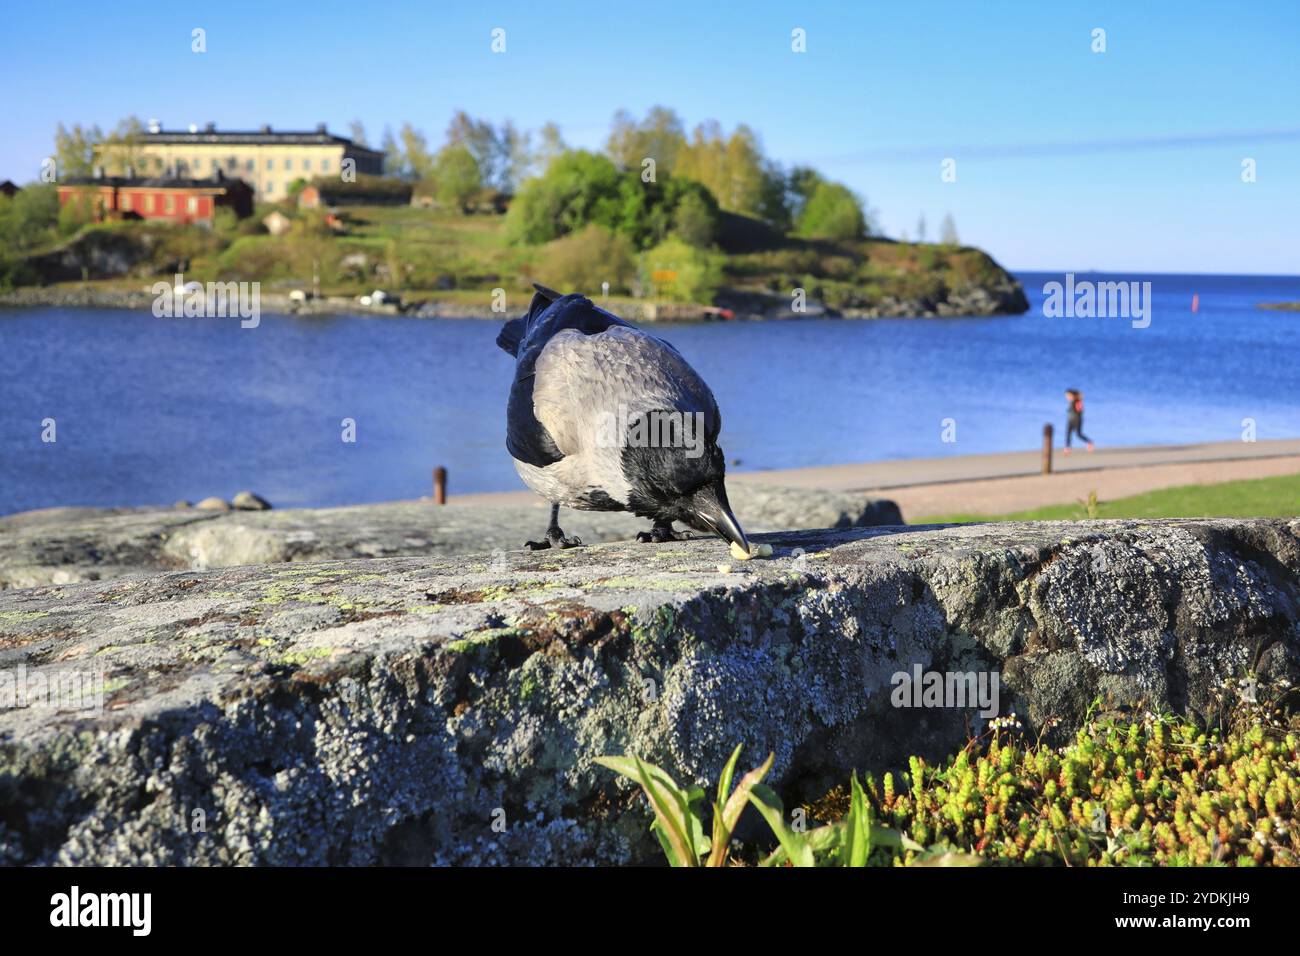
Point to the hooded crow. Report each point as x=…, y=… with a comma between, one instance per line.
x=605, y=417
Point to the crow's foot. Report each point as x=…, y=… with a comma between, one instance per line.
x=555, y=538
x=661, y=533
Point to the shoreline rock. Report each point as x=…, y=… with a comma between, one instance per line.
x=248, y=501
x=975, y=302
x=390, y=710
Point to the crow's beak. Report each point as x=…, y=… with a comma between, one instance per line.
x=711, y=507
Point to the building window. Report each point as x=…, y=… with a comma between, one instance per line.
x=324, y=165
x=170, y=203
x=270, y=188
x=126, y=202
x=270, y=164
x=232, y=163
x=288, y=164
x=248, y=166
x=192, y=204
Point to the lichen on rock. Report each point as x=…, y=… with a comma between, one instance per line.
x=449, y=709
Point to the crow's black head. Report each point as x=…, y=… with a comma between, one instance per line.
x=678, y=480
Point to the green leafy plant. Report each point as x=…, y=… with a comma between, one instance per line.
x=1089, y=505
x=849, y=842
x=681, y=273
x=679, y=826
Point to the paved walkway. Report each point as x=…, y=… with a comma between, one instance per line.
x=1012, y=481
x=927, y=471
x=998, y=496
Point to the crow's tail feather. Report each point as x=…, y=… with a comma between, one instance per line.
x=511, y=334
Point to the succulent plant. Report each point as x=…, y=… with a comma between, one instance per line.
x=1135, y=791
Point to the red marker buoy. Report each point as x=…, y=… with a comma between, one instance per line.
x=1196, y=302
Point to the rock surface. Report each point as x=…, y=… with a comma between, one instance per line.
x=448, y=710
x=64, y=545
x=1005, y=296
x=247, y=501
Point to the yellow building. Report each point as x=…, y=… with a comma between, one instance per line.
x=267, y=160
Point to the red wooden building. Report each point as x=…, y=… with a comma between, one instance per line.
x=164, y=197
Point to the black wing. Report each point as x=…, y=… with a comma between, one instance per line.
x=527, y=439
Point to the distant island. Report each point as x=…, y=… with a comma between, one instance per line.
x=658, y=225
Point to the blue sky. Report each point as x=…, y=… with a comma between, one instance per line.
x=1060, y=156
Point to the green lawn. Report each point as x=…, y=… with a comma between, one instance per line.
x=1256, y=498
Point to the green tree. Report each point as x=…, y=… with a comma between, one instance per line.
x=578, y=187
x=80, y=209
x=695, y=217
x=948, y=231
x=393, y=158
x=485, y=145
x=746, y=170
x=660, y=136
x=621, y=144
x=27, y=219
x=832, y=212
x=735, y=171
x=417, y=161
x=516, y=157
x=74, y=150
x=774, y=199
x=549, y=146
x=702, y=159
x=123, y=147
x=357, y=132
x=456, y=177
x=581, y=261
x=801, y=183
x=30, y=217
x=673, y=270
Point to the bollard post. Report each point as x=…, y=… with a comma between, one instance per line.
x=1047, y=449
x=440, y=485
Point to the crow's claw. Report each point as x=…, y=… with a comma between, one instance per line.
x=555, y=538
x=661, y=533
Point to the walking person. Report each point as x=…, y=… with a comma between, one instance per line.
x=1074, y=418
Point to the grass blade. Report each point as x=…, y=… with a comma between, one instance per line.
x=725, y=817
x=667, y=815
x=673, y=821
x=793, y=844
x=857, y=829
x=721, y=832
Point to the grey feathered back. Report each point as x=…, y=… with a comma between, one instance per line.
x=621, y=372
x=525, y=338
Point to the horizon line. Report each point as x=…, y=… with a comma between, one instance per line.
x=1028, y=150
